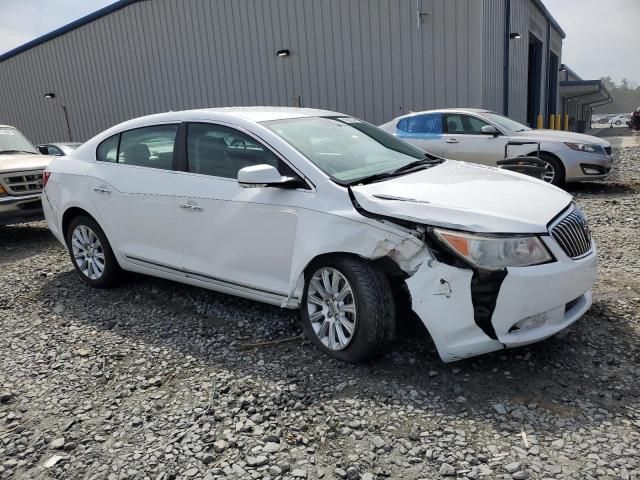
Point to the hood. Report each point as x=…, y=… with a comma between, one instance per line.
x=559, y=136
x=23, y=161
x=468, y=197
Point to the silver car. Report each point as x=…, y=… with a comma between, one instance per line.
x=482, y=136
x=59, y=149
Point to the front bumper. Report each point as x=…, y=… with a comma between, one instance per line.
x=548, y=297
x=581, y=166
x=19, y=209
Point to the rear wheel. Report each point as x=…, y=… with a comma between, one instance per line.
x=553, y=170
x=91, y=254
x=348, y=308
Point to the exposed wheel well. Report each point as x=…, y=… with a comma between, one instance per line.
x=72, y=213
x=389, y=267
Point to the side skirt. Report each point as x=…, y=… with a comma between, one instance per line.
x=147, y=267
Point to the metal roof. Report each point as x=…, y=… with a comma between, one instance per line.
x=67, y=28
x=588, y=92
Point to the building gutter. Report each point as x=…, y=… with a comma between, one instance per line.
x=506, y=60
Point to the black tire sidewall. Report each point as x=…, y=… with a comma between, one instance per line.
x=370, y=332
x=111, y=271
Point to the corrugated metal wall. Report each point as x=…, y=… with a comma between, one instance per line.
x=368, y=58
x=493, y=22
x=527, y=18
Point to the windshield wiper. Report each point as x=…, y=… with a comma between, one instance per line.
x=15, y=151
x=403, y=170
x=418, y=163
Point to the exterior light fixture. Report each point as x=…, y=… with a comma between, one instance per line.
x=515, y=36
x=563, y=68
x=52, y=96
x=283, y=53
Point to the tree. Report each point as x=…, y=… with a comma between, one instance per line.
x=626, y=96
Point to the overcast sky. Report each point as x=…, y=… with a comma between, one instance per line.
x=599, y=32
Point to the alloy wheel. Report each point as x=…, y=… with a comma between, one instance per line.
x=549, y=174
x=88, y=252
x=331, y=305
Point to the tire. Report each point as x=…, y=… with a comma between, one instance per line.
x=559, y=173
x=93, y=246
x=371, y=299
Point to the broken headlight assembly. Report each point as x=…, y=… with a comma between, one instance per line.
x=495, y=252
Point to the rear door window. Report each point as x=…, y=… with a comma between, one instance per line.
x=148, y=146
x=426, y=124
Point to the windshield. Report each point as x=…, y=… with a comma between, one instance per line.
x=12, y=141
x=345, y=148
x=506, y=122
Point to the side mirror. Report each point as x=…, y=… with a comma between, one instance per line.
x=490, y=130
x=266, y=176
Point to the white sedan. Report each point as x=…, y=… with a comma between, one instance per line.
x=320, y=211
x=481, y=136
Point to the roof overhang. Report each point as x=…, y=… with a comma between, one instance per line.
x=587, y=92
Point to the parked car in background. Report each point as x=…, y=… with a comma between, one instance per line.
x=21, y=168
x=481, y=136
x=58, y=149
x=620, y=120
x=320, y=211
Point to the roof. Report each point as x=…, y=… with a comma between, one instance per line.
x=547, y=14
x=67, y=28
x=585, y=91
x=268, y=113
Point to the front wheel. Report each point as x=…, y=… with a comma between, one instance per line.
x=553, y=170
x=91, y=253
x=348, y=308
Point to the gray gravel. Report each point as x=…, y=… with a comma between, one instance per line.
x=155, y=380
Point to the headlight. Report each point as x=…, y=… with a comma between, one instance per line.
x=585, y=147
x=496, y=253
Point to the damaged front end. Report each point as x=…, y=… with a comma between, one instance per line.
x=469, y=310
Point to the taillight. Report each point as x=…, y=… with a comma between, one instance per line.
x=45, y=178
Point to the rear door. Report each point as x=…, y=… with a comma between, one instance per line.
x=423, y=131
x=133, y=188
x=463, y=140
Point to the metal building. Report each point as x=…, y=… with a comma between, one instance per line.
x=579, y=97
x=374, y=59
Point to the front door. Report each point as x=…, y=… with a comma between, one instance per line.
x=463, y=140
x=234, y=236
x=133, y=188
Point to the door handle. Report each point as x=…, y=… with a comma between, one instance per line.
x=101, y=189
x=451, y=140
x=190, y=206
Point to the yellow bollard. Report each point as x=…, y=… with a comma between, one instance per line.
x=540, y=123
x=558, y=122
x=552, y=122
x=566, y=122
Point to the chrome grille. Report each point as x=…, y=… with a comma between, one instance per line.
x=572, y=234
x=23, y=183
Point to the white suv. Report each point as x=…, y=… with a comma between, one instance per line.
x=320, y=211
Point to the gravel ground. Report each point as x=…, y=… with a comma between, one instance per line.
x=157, y=380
